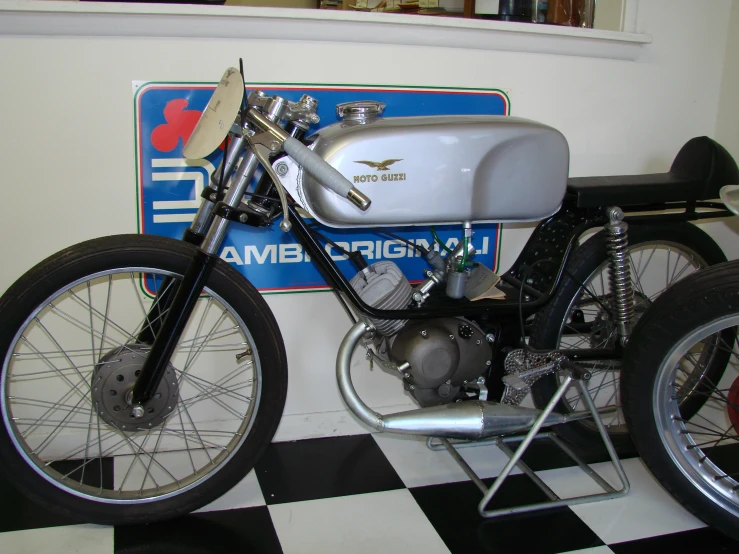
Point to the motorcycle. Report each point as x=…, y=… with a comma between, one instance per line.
x=693, y=454
x=143, y=377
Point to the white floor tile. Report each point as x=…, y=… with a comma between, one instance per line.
x=594, y=550
x=418, y=466
x=244, y=495
x=646, y=511
x=389, y=522
x=77, y=539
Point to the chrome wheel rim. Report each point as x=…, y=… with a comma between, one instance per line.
x=49, y=373
x=673, y=262
x=698, y=446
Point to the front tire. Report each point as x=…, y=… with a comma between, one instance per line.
x=70, y=354
x=695, y=457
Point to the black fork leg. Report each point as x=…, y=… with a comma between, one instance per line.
x=181, y=307
x=163, y=303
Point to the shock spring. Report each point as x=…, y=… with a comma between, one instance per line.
x=619, y=274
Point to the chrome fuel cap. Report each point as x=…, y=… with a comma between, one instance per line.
x=360, y=111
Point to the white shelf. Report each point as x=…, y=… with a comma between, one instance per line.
x=56, y=18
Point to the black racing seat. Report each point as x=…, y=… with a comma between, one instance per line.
x=700, y=169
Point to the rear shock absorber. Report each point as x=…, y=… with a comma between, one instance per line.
x=619, y=272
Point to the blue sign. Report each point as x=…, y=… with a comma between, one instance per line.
x=169, y=186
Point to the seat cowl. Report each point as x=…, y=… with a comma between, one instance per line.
x=705, y=160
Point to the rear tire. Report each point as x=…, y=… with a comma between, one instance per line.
x=589, y=265
x=69, y=331
x=695, y=457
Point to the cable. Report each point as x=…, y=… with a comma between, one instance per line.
x=585, y=289
x=441, y=243
x=327, y=240
x=418, y=247
x=243, y=98
x=223, y=168
x=463, y=261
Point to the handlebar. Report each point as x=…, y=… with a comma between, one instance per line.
x=316, y=166
x=325, y=173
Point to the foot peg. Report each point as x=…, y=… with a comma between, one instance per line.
x=523, y=368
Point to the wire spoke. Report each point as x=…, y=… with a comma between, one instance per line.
x=219, y=384
x=23, y=401
x=197, y=332
x=190, y=361
x=212, y=445
x=189, y=417
x=215, y=399
x=56, y=430
x=79, y=323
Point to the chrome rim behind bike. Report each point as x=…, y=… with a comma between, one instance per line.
x=52, y=402
x=703, y=447
x=655, y=267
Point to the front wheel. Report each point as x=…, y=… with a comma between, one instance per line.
x=71, y=351
x=695, y=456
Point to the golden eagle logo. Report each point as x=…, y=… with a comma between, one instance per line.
x=379, y=166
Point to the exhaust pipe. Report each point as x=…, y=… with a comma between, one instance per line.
x=461, y=420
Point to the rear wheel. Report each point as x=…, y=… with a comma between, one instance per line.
x=70, y=356
x=579, y=316
x=694, y=455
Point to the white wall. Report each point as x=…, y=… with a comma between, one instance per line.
x=727, y=122
x=68, y=152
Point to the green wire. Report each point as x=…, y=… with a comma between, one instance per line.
x=437, y=239
x=464, y=254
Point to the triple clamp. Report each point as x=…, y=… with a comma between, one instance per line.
x=239, y=215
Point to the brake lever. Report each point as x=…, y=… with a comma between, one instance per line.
x=263, y=145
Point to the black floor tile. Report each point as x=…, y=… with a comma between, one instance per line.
x=726, y=457
x=324, y=468
x=244, y=530
x=452, y=510
x=90, y=473
x=703, y=541
x=18, y=513
x=543, y=454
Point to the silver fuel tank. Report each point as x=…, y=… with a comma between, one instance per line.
x=439, y=169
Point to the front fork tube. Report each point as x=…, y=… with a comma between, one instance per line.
x=182, y=302
x=619, y=272
x=203, y=218
x=193, y=235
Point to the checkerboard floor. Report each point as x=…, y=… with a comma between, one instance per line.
x=385, y=494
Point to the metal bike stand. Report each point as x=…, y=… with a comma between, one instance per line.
x=579, y=377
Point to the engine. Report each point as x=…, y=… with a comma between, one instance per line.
x=442, y=354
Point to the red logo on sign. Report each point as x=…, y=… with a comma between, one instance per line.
x=180, y=124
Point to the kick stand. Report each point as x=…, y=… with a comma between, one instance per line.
x=580, y=377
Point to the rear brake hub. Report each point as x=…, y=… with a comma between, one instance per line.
x=113, y=380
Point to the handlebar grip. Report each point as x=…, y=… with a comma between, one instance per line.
x=325, y=173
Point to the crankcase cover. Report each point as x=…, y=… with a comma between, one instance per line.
x=442, y=351
x=440, y=169
x=431, y=352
